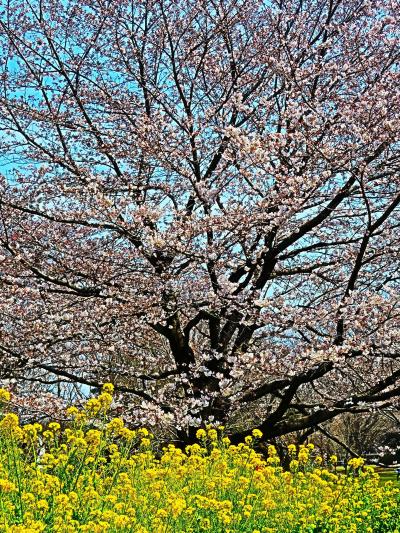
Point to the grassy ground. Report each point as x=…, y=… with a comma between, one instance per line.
x=387, y=474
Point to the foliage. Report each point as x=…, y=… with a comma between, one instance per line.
x=96, y=475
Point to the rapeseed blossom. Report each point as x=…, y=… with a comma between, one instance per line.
x=97, y=475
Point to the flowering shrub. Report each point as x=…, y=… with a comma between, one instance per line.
x=97, y=475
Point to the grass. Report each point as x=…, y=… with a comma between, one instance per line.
x=387, y=474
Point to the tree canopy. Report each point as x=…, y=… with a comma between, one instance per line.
x=199, y=201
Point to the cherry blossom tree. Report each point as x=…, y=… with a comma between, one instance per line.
x=199, y=201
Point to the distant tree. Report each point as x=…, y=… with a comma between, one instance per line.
x=365, y=434
x=200, y=200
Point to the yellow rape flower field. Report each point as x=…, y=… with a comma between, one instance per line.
x=96, y=475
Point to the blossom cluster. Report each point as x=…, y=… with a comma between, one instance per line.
x=201, y=200
x=97, y=475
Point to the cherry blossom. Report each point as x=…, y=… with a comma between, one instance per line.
x=199, y=202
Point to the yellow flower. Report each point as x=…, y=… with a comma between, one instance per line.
x=356, y=462
x=105, y=400
x=93, y=437
x=93, y=406
x=303, y=455
x=42, y=506
x=177, y=506
x=28, y=497
x=7, y=486
x=257, y=434
x=10, y=426
x=213, y=434
x=198, y=489
x=72, y=411
x=122, y=521
x=30, y=433
x=271, y=450
x=108, y=387
x=80, y=443
x=127, y=434
x=5, y=396
x=201, y=434
x=115, y=426
x=10, y=420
